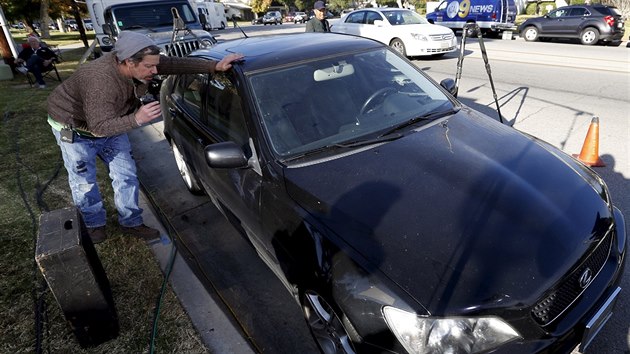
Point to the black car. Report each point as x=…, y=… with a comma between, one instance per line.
x=401, y=220
x=590, y=24
x=257, y=21
x=272, y=18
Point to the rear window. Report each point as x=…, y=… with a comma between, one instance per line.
x=612, y=11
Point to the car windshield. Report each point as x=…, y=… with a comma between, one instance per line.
x=343, y=100
x=404, y=17
x=151, y=15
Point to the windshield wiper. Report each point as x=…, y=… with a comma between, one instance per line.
x=414, y=120
x=379, y=139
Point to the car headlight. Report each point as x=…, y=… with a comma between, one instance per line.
x=419, y=37
x=455, y=335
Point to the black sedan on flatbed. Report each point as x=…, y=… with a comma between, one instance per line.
x=401, y=220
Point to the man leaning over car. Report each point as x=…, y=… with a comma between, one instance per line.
x=318, y=23
x=90, y=114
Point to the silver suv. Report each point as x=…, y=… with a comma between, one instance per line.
x=272, y=17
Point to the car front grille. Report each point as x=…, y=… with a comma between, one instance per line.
x=441, y=37
x=440, y=50
x=182, y=48
x=554, y=304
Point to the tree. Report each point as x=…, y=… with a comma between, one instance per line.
x=44, y=18
x=622, y=5
x=259, y=6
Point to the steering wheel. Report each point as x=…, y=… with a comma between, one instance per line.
x=380, y=92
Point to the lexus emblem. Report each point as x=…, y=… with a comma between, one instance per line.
x=586, y=278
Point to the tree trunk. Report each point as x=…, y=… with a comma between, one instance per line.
x=77, y=17
x=44, y=19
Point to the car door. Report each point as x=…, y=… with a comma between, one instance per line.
x=353, y=23
x=237, y=191
x=574, y=21
x=554, y=23
x=380, y=31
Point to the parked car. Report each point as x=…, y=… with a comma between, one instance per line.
x=272, y=18
x=401, y=220
x=300, y=17
x=71, y=25
x=88, y=25
x=289, y=17
x=257, y=21
x=590, y=24
x=404, y=30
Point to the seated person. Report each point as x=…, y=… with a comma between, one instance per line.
x=36, y=58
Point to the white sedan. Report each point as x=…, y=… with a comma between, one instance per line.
x=404, y=30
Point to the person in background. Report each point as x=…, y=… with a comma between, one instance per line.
x=35, y=59
x=203, y=21
x=90, y=114
x=318, y=23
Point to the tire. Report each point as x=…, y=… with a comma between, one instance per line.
x=326, y=327
x=530, y=34
x=589, y=36
x=398, y=46
x=191, y=181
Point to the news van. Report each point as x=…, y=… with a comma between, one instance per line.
x=492, y=16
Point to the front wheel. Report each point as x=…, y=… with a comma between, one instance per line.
x=398, y=46
x=326, y=327
x=531, y=34
x=589, y=36
x=191, y=181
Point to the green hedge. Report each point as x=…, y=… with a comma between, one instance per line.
x=531, y=8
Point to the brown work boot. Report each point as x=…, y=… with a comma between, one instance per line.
x=97, y=234
x=142, y=231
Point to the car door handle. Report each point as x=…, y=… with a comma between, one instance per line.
x=199, y=141
x=172, y=112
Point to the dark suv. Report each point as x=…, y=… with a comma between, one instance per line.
x=588, y=23
x=272, y=17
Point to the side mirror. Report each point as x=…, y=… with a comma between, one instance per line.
x=225, y=155
x=449, y=85
x=107, y=29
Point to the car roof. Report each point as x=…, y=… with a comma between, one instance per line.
x=272, y=50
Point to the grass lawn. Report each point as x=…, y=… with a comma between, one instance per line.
x=32, y=181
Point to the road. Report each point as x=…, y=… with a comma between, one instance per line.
x=552, y=91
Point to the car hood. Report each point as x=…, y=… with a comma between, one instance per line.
x=463, y=212
x=427, y=28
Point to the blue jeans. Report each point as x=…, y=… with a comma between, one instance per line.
x=80, y=161
x=35, y=65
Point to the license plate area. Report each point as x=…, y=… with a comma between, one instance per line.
x=597, y=322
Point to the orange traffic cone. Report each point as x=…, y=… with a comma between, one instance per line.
x=590, y=150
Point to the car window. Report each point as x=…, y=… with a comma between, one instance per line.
x=559, y=13
x=403, y=17
x=224, y=111
x=355, y=17
x=579, y=11
x=328, y=100
x=372, y=16
x=188, y=93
